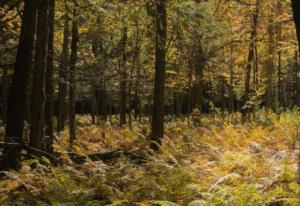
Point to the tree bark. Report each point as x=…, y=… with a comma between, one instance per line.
x=160, y=76
x=72, y=90
x=231, y=76
x=4, y=95
x=63, y=73
x=270, y=65
x=17, y=98
x=49, y=104
x=37, y=134
x=123, y=80
x=250, y=60
x=296, y=15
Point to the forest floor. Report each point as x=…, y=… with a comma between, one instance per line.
x=219, y=163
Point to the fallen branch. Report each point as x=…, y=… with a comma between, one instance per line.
x=106, y=156
x=14, y=145
x=77, y=158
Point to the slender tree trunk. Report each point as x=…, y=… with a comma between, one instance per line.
x=297, y=80
x=93, y=103
x=17, y=98
x=222, y=92
x=251, y=56
x=72, y=90
x=296, y=14
x=49, y=104
x=160, y=76
x=123, y=81
x=281, y=101
x=4, y=95
x=63, y=73
x=37, y=134
x=270, y=65
x=231, y=74
x=190, y=88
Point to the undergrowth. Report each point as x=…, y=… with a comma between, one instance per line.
x=222, y=162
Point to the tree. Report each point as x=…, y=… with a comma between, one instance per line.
x=17, y=97
x=123, y=78
x=49, y=88
x=37, y=134
x=250, y=60
x=63, y=73
x=296, y=15
x=160, y=75
x=72, y=90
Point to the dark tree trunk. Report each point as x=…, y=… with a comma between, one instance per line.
x=231, y=76
x=93, y=103
x=49, y=104
x=251, y=56
x=280, y=100
x=296, y=14
x=160, y=75
x=4, y=95
x=73, y=60
x=123, y=80
x=63, y=73
x=17, y=98
x=222, y=93
x=270, y=65
x=295, y=78
x=37, y=134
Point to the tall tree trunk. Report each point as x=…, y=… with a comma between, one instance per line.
x=72, y=90
x=160, y=75
x=279, y=99
x=63, y=73
x=270, y=65
x=17, y=98
x=123, y=80
x=296, y=14
x=4, y=95
x=49, y=104
x=38, y=94
x=297, y=80
x=250, y=60
x=231, y=76
x=93, y=103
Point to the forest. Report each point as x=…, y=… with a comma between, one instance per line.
x=149, y=102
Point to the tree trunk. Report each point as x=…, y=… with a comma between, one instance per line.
x=123, y=80
x=251, y=56
x=297, y=80
x=160, y=75
x=4, y=95
x=270, y=65
x=17, y=98
x=231, y=76
x=49, y=104
x=63, y=73
x=73, y=60
x=296, y=14
x=280, y=97
x=38, y=94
